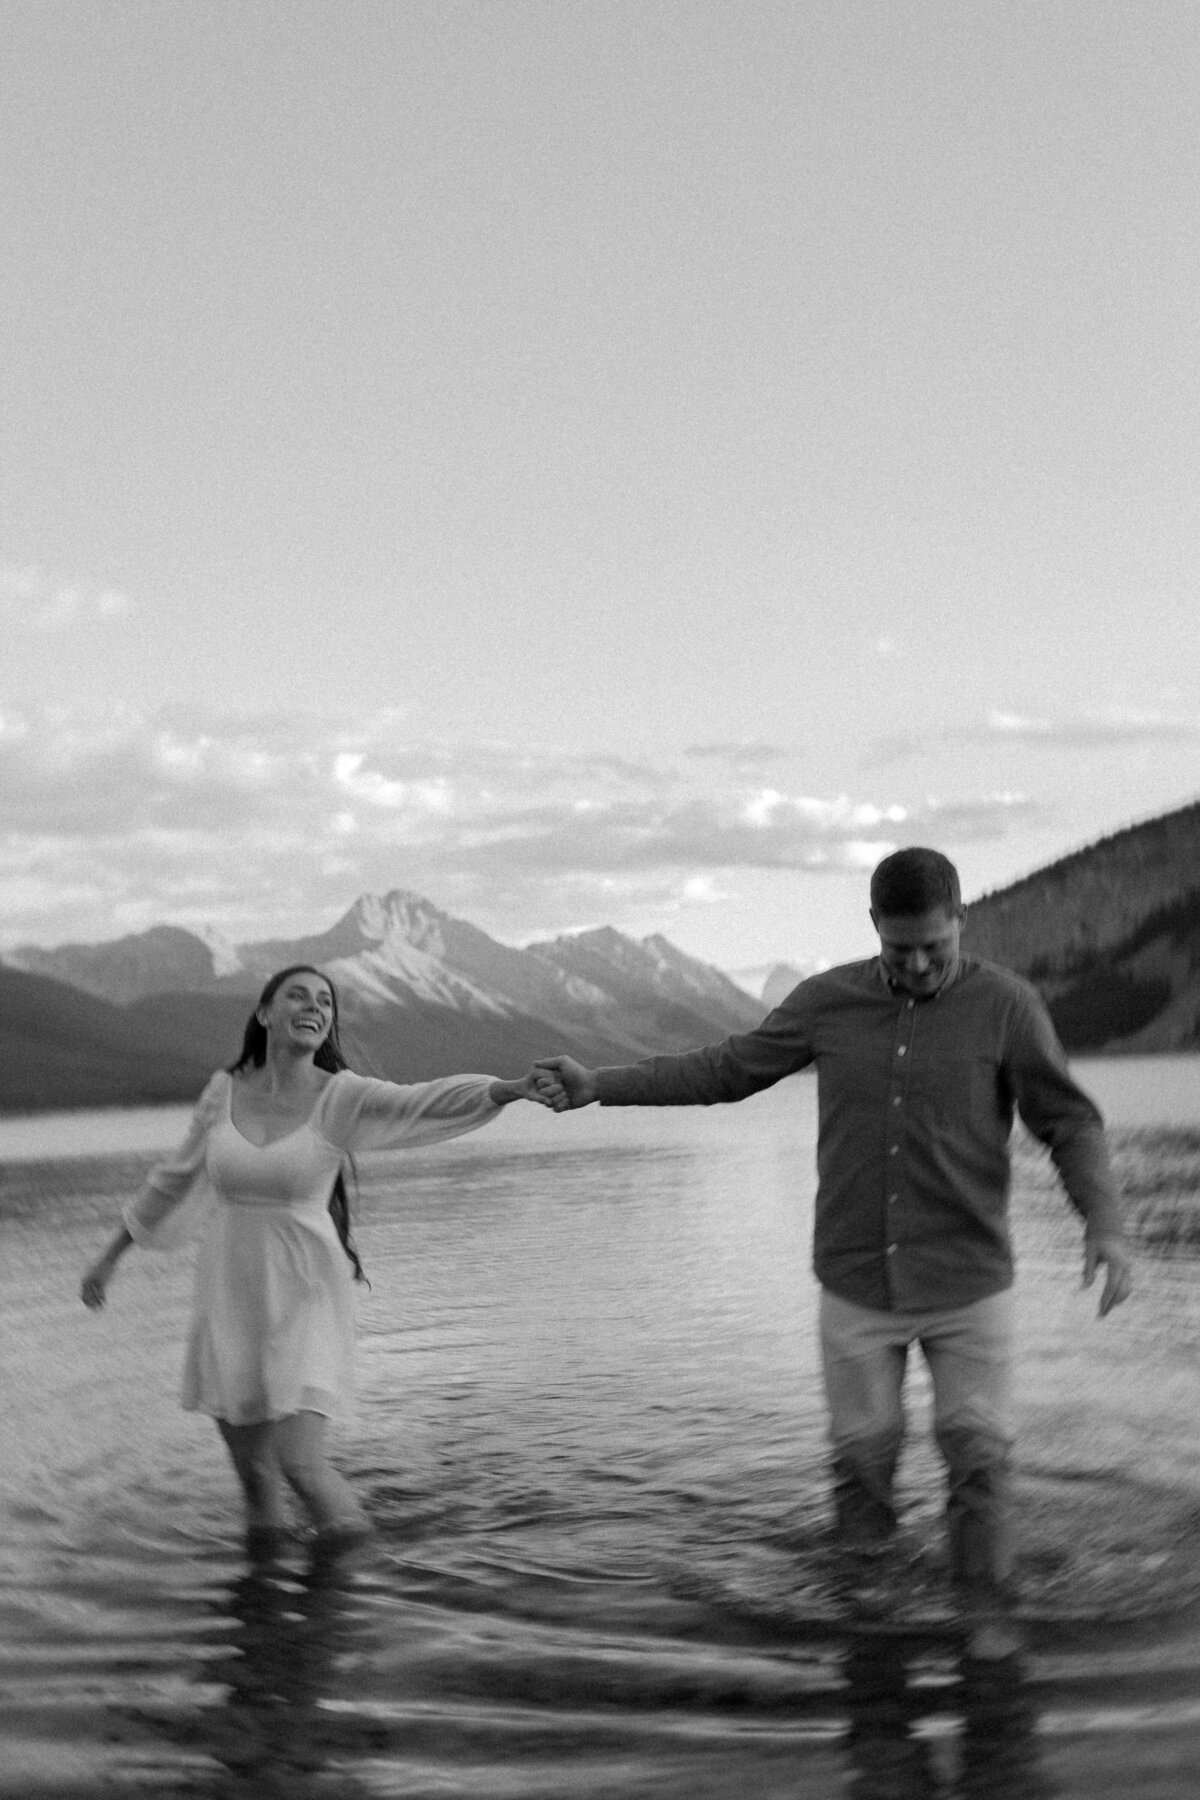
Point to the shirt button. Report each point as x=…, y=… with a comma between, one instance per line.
x=895, y=1099
x=891, y=1249
x=901, y=1049
x=892, y=1199
x=908, y=1005
x=893, y=1149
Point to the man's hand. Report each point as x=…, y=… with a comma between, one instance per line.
x=1118, y=1278
x=565, y=1084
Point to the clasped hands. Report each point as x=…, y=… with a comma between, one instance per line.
x=557, y=1082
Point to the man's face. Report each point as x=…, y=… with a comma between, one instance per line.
x=919, y=951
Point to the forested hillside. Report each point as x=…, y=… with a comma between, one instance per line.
x=1111, y=936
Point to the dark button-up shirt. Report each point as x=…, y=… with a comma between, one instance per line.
x=915, y=1101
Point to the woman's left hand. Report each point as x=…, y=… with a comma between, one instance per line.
x=527, y=1088
x=94, y=1286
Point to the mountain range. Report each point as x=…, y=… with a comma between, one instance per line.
x=1110, y=934
x=147, y=1017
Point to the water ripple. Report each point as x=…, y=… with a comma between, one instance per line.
x=592, y=1438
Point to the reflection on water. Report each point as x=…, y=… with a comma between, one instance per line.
x=915, y=1734
x=592, y=1438
x=286, y=1719
x=293, y=1646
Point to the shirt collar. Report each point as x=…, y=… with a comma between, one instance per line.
x=903, y=994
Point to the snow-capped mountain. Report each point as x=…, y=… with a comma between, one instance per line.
x=423, y=992
x=389, y=950
x=654, y=987
x=399, y=949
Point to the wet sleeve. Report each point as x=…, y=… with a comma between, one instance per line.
x=1059, y=1113
x=732, y=1070
x=174, y=1195
x=361, y=1114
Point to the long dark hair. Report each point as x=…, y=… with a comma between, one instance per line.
x=329, y=1056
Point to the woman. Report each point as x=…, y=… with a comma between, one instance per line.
x=269, y=1353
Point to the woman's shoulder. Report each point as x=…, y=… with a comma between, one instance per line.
x=212, y=1095
x=342, y=1087
x=343, y=1104
x=345, y=1080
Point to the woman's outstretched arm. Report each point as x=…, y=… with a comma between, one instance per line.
x=361, y=1113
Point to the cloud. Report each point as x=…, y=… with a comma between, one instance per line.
x=1043, y=731
x=32, y=600
x=737, y=756
x=1117, y=725
x=113, y=820
x=894, y=748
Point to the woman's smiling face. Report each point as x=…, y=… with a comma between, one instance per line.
x=301, y=1011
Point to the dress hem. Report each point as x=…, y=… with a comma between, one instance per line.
x=264, y=1418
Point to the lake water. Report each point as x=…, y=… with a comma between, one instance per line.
x=591, y=1433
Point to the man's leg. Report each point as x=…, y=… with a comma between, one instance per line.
x=970, y=1357
x=863, y=1353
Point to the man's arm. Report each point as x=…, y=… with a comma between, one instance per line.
x=731, y=1070
x=1060, y=1114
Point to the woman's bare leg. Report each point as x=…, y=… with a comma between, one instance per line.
x=299, y=1444
x=252, y=1451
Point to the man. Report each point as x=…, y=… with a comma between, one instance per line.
x=921, y=1055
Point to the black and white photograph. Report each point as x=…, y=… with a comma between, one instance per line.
x=600, y=900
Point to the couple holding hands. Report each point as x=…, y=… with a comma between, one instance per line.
x=922, y=1054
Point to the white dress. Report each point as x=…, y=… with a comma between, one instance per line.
x=272, y=1329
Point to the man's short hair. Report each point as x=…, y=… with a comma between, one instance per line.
x=914, y=881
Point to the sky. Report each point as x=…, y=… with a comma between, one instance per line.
x=625, y=462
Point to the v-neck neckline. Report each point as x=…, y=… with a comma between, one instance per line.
x=304, y=1125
